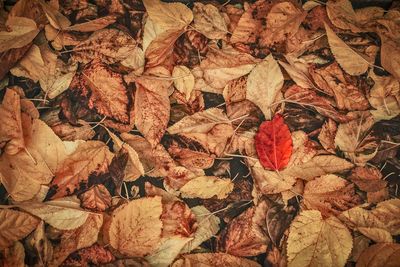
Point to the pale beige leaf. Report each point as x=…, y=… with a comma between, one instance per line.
x=152, y=106
x=354, y=139
x=90, y=157
x=63, y=213
x=303, y=149
x=301, y=78
x=168, y=249
x=264, y=84
x=183, y=80
x=135, y=228
x=382, y=254
x=317, y=166
x=314, y=241
x=385, y=216
x=200, y=122
x=73, y=240
x=208, y=226
x=342, y=15
x=223, y=65
x=207, y=187
x=109, y=45
x=135, y=61
x=93, y=25
x=243, y=142
x=384, y=97
x=23, y=31
x=15, y=225
x=56, y=19
x=167, y=16
x=213, y=260
x=376, y=234
x=352, y=62
x=330, y=194
x=209, y=21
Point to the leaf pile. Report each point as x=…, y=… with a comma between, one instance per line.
x=199, y=133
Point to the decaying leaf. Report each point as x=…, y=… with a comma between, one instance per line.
x=15, y=225
x=97, y=198
x=135, y=228
x=209, y=21
x=23, y=30
x=381, y=254
x=318, y=242
x=207, y=187
x=214, y=260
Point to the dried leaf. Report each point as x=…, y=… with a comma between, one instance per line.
x=15, y=225
x=213, y=260
x=330, y=194
x=93, y=25
x=368, y=179
x=183, y=80
x=108, y=45
x=152, y=107
x=264, y=84
x=72, y=240
x=95, y=254
x=167, y=251
x=352, y=62
x=23, y=31
x=91, y=157
x=342, y=15
x=207, y=187
x=327, y=135
x=56, y=19
x=209, y=21
x=389, y=52
x=318, y=242
x=382, y=254
x=135, y=228
x=63, y=213
x=97, y=198
x=274, y=144
x=13, y=256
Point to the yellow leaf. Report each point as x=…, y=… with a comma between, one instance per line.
x=168, y=249
x=135, y=228
x=352, y=62
x=264, y=84
x=314, y=241
x=63, y=213
x=207, y=187
x=15, y=225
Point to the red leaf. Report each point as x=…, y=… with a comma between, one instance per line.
x=274, y=143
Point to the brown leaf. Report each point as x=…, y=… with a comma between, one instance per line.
x=327, y=135
x=152, y=106
x=244, y=235
x=91, y=157
x=15, y=225
x=97, y=198
x=93, y=25
x=381, y=254
x=389, y=52
x=95, y=254
x=342, y=15
x=278, y=219
x=73, y=240
x=368, y=179
x=209, y=21
x=135, y=228
x=330, y=194
x=11, y=57
x=105, y=90
x=23, y=31
x=213, y=260
x=13, y=256
x=189, y=158
x=108, y=45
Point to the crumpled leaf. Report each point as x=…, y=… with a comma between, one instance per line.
x=108, y=45
x=244, y=235
x=223, y=65
x=207, y=227
x=63, y=213
x=105, y=90
x=318, y=242
x=213, y=260
x=95, y=254
x=152, y=106
x=207, y=187
x=355, y=140
x=97, y=198
x=385, y=216
x=209, y=21
x=330, y=194
x=352, y=62
x=381, y=254
x=327, y=135
x=41, y=64
x=264, y=84
x=274, y=144
x=135, y=228
x=90, y=157
x=283, y=22
x=15, y=225
x=23, y=31
x=72, y=240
